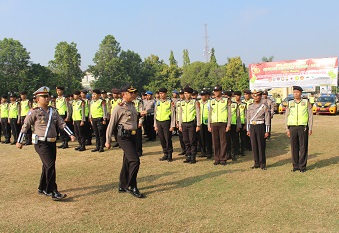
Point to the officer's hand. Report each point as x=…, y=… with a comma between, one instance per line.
x=244, y=128
x=310, y=132
x=228, y=128
x=197, y=128
x=156, y=129
x=248, y=133
x=104, y=122
x=19, y=145
x=140, y=125
x=108, y=145
x=209, y=129
x=72, y=138
x=238, y=130
x=288, y=133
x=66, y=119
x=267, y=135
x=18, y=122
x=9, y=121
x=82, y=123
x=180, y=129
x=171, y=129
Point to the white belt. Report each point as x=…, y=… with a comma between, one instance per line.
x=257, y=122
x=46, y=139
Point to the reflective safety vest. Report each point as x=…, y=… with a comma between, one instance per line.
x=108, y=105
x=298, y=114
x=115, y=102
x=278, y=100
x=163, y=110
x=242, y=109
x=177, y=106
x=136, y=104
x=77, y=110
x=86, y=107
x=24, y=105
x=4, y=110
x=61, y=106
x=188, y=112
x=312, y=99
x=219, y=110
x=204, y=107
x=247, y=102
x=13, y=110
x=34, y=105
x=96, y=109
x=234, y=107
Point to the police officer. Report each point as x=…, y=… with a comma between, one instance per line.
x=229, y=96
x=98, y=118
x=219, y=123
x=13, y=117
x=299, y=122
x=5, y=126
x=205, y=135
x=45, y=120
x=189, y=124
x=164, y=123
x=177, y=106
x=235, y=124
x=247, y=100
x=63, y=108
x=242, y=117
x=25, y=106
x=258, y=128
x=114, y=102
x=87, y=124
x=149, y=116
x=124, y=120
x=138, y=104
x=78, y=116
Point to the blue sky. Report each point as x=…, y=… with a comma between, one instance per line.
x=249, y=29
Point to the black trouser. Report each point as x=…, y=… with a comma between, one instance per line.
x=182, y=144
x=299, y=146
x=206, y=140
x=80, y=133
x=6, y=129
x=165, y=136
x=245, y=140
x=29, y=131
x=258, y=141
x=235, y=140
x=130, y=164
x=228, y=145
x=219, y=141
x=99, y=131
x=47, y=153
x=151, y=134
x=88, y=130
x=189, y=136
x=14, y=128
x=63, y=135
x=138, y=141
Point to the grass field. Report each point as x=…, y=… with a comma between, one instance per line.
x=180, y=197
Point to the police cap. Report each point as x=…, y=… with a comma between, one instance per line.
x=297, y=88
x=188, y=89
x=76, y=92
x=217, y=88
x=163, y=90
x=128, y=88
x=96, y=91
x=237, y=93
x=41, y=91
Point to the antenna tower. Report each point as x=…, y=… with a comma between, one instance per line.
x=207, y=48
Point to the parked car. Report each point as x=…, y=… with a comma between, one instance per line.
x=326, y=104
x=283, y=105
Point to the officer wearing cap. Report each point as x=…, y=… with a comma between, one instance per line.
x=114, y=102
x=164, y=123
x=78, y=116
x=98, y=119
x=228, y=95
x=258, y=128
x=124, y=121
x=34, y=102
x=243, y=131
x=63, y=108
x=177, y=106
x=219, y=123
x=299, y=123
x=138, y=104
x=45, y=120
x=235, y=124
x=270, y=103
x=25, y=106
x=247, y=100
x=4, y=112
x=13, y=117
x=148, y=111
x=87, y=124
x=189, y=124
x=205, y=135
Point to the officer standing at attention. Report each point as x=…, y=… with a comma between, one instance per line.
x=139, y=106
x=177, y=106
x=235, y=125
x=45, y=120
x=242, y=115
x=13, y=117
x=63, y=108
x=25, y=106
x=299, y=122
x=114, y=102
x=189, y=124
x=124, y=121
x=149, y=116
x=258, y=128
x=219, y=123
x=164, y=123
x=98, y=118
x=206, y=136
x=87, y=124
x=78, y=116
x=5, y=126
x=247, y=100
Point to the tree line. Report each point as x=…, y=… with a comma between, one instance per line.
x=112, y=67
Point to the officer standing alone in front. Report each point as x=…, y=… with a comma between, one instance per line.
x=124, y=120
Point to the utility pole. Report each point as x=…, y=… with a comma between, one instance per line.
x=207, y=48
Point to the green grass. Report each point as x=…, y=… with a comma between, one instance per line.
x=180, y=197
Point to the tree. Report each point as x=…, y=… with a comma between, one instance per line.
x=213, y=59
x=236, y=77
x=40, y=76
x=66, y=65
x=132, y=68
x=186, y=58
x=172, y=60
x=152, y=71
x=267, y=59
x=14, y=61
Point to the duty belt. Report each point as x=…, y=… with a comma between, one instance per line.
x=257, y=122
x=150, y=114
x=46, y=139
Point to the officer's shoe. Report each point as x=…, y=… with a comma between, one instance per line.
x=115, y=145
x=122, y=190
x=188, y=159
x=193, y=159
x=101, y=150
x=77, y=148
x=182, y=153
x=95, y=150
x=82, y=148
x=163, y=158
x=295, y=169
x=302, y=170
x=169, y=158
x=62, y=145
x=135, y=192
x=254, y=167
x=44, y=192
x=65, y=145
x=56, y=196
x=223, y=163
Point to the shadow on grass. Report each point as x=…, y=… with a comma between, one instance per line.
x=324, y=163
x=279, y=144
x=187, y=181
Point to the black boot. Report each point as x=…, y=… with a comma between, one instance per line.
x=193, y=159
x=169, y=158
x=163, y=158
x=97, y=146
x=77, y=148
x=65, y=144
x=62, y=144
x=95, y=150
x=188, y=159
x=82, y=147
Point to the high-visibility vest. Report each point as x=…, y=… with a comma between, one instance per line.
x=247, y=102
x=96, y=109
x=61, y=106
x=136, y=104
x=311, y=98
x=234, y=107
x=219, y=110
x=4, y=110
x=24, y=105
x=298, y=114
x=34, y=105
x=242, y=110
x=77, y=110
x=86, y=107
x=13, y=110
x=204, y=107
x=188, y=110
x=115, y=102
x=278, y=100
x=163, y=110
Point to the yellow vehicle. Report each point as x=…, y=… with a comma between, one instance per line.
x=326, y=104
x=283, y=105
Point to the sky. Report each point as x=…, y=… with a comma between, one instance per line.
x=250, y=29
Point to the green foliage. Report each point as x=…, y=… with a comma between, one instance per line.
x=172, y=60
x=236, y=77
x=66, y=65
x=213, y=59
x=267, y=59
x=186, y=58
